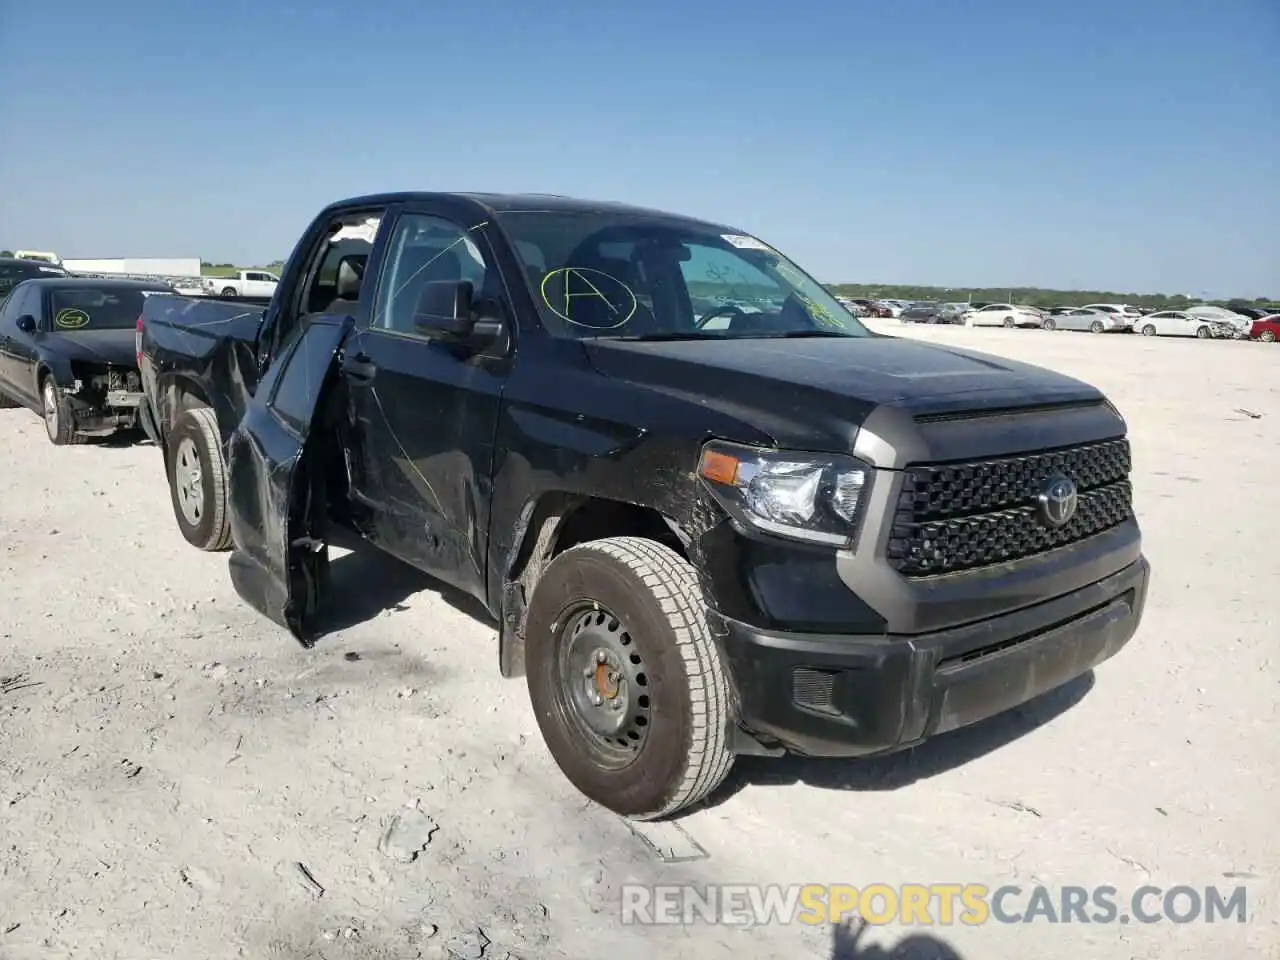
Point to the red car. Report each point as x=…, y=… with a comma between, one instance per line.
x=1267, y=329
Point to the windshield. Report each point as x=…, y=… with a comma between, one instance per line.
x=92, y=308
x=619, y=275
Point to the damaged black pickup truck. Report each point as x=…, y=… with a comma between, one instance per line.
x=712, y=513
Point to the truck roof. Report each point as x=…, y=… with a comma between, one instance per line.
x=530, y=202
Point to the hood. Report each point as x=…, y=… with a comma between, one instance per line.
x=115, y=347
x=815, y=393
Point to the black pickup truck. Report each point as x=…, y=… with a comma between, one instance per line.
x=712, y=512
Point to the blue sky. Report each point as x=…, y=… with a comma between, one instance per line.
x=1127, y=145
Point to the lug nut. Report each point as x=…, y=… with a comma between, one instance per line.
x=596, y=699
x=600, y=657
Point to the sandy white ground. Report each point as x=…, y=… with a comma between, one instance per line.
x=168, y=758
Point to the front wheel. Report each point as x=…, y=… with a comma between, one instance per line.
x=1097, y=327
x=1203, y=333
x=59, y=419
x=626, y=680
x=1050, y=324
x=1009, y=323
x=198, y=480
x=1148, y=331
x=1267, y=336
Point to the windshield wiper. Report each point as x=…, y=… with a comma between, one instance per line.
x=668, y=335
x=800, y=334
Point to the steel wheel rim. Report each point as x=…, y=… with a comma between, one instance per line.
x=50, y=397
x=603, y=687
x=188, y=481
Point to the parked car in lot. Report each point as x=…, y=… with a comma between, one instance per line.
x=1266, y=329
x=1123, y=312
x=245, y=283
x=14, y=270
x=67, y=352
x=1093, y=321
x=1175, y=323
x=1239, y=324
x=873, y=308
x=692, y=535
x=952, y=313
x=1003, y=315
x=923, y=312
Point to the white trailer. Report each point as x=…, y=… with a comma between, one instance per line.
x=169, y=267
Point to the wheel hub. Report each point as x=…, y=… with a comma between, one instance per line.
x=604, y=684
x=189, y=481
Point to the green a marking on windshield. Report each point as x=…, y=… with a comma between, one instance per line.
x=71, y=319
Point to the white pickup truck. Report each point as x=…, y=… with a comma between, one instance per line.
x=246, y=283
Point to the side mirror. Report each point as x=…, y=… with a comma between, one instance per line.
x=444, y=310
x=27, y=323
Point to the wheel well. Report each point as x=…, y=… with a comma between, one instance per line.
x=559, y=523
x=598, y=519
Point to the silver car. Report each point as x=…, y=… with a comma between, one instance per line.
x=1093, y=321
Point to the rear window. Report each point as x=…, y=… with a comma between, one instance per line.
x=93, y=308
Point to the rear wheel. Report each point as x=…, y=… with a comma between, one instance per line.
x=1097, y=327
x=1148, y=331
x=1010, y=322
x=59, y=420
x=1203, y=333
x=626, y=679
x=198, y=480
x=1050, y=324
x=1267, y=336
x=228, y=291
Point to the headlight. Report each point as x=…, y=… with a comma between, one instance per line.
x=798, y=495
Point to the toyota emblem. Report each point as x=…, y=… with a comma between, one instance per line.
x=1058, y=500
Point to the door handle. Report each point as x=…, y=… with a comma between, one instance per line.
x=359, y=369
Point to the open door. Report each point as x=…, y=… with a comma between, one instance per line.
x=280, y=562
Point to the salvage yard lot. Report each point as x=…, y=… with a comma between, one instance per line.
x=178, y=778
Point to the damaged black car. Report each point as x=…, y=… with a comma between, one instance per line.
x=68, y=352
x=711, y=513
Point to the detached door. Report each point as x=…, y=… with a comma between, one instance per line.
x=280, y=563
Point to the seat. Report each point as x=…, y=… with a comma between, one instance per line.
x=347, y=288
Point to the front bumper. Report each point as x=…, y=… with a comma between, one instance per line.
x=845, y=696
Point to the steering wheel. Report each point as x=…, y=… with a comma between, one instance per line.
x=726, y=310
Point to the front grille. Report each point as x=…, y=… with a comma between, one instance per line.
x=961, y=516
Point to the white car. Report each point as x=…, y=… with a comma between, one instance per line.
x=1120, y=311
x=1003, y=315
x=1239, y=323
x=1091, y=320
x=1176, y=323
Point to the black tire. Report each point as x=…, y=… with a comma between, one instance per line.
x=1097, y=327
x=228, y=292
x=649, y=597
x=195, y=447
x=59, y=418
x=1203, y=333
x=1010, y=323
x=1050, y=324
x=1267, y=336
x=1148, y=331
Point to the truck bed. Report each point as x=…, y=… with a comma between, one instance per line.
x=202, y=346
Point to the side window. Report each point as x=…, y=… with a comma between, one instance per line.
x=424, y=251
